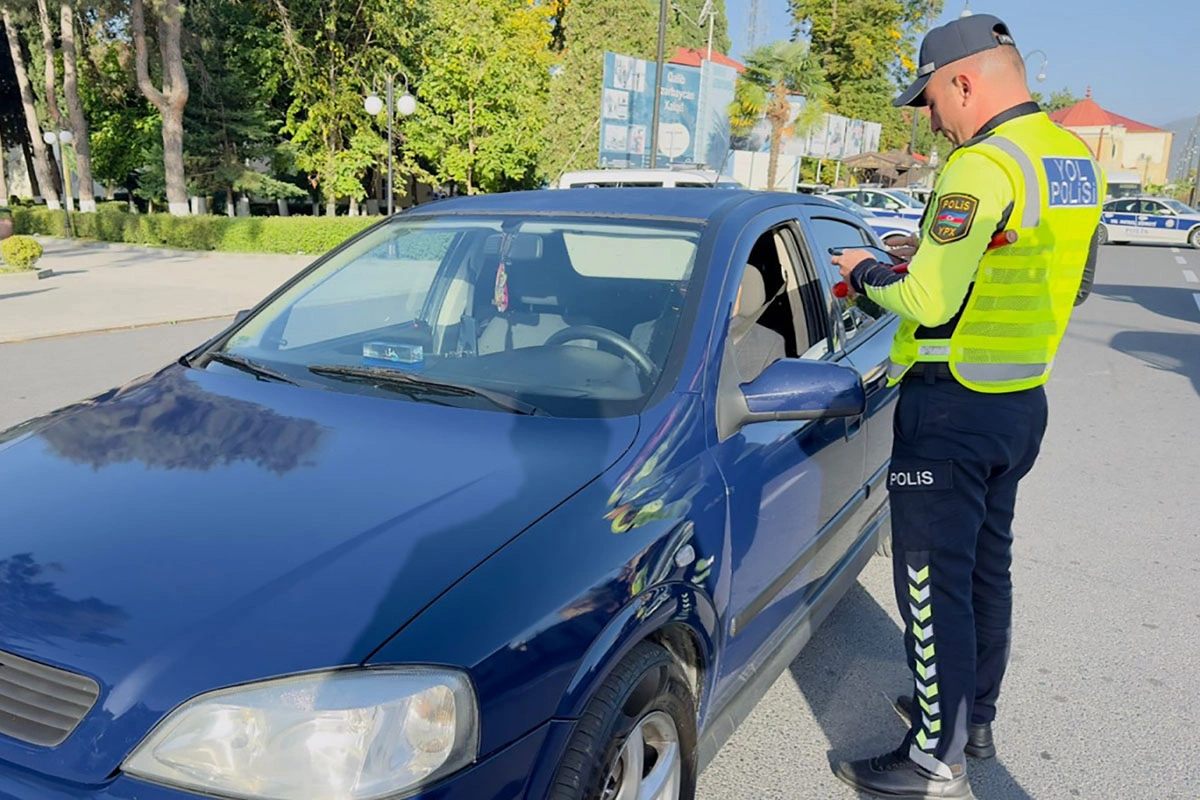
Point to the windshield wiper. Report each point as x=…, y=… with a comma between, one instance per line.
x=253, y=367
x=414, y=384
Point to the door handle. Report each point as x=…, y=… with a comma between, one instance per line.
x=854, y=426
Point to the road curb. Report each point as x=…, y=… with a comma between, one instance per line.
x=112, y=329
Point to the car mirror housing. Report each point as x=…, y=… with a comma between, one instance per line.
x=796, y=389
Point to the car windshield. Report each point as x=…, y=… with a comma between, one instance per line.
x=906, y=199
x=571, y=317
x=1178, y=207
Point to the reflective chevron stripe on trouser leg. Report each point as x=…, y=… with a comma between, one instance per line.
x=929, y=732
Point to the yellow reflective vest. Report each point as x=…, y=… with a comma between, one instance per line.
x=997, y=316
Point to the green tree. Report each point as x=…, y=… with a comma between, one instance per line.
x=1063, y=98
x=773, y=72
x=686, y=29
x=484, y=80
x=124, y=126
x=234, y=66
x=335, y=53
x=867, y=48
x=172, y=97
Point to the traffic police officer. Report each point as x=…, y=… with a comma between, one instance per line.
x=980, y=326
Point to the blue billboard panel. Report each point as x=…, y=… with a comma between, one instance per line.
x=627, y=112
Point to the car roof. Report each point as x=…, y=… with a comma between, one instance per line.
x=650, y=202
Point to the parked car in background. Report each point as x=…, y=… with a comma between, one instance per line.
x=485, y=504
x=883, y=202
x=886, y=228
x=1160, y=220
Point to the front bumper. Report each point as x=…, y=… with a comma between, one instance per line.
x=501, y=776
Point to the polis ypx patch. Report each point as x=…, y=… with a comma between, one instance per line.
x=1073, y=182
x=953, y=217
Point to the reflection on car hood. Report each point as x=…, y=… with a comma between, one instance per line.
x=198, y=529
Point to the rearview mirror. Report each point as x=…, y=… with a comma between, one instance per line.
x=797, y=389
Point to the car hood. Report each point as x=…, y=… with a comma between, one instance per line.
x=197, y=529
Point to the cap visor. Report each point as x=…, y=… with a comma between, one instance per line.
x=914, y=95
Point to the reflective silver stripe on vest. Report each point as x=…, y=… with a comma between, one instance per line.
x=1032, y=215
x=995, y=373
x=896, y=371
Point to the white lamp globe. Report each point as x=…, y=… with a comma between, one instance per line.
x=373, y=104
x=406, y=104
x=66, y=137
x=48, y=137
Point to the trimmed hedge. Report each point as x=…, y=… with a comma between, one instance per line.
x=306, y=235
x=19, y=253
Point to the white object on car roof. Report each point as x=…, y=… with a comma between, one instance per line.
x=665, y=177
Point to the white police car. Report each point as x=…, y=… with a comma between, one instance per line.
x=884, y=227
x=1150, y=220
x=883, y=202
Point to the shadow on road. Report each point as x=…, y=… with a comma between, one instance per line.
x=849, y=673
x=1172, y=352
x=12, y=295
x=1166, y=301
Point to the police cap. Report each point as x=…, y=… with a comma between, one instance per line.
x=952, y=42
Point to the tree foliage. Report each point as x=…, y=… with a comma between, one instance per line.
x=868, y=49
x=485, y=73
x=336, y=51
x=773, y=73
x=1063, y=98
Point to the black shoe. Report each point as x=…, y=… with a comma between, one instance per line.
x=979, y=737
x=896, y=776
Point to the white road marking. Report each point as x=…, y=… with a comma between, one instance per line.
x=1190, y=276
x=1180, y=260
x=1174, y=249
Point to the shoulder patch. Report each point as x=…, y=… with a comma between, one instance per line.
x=953, y=217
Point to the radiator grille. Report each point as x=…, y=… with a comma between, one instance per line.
x=40, y=704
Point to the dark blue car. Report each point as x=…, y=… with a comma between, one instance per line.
x=521, y=496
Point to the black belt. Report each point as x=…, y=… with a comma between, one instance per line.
x=931, y=371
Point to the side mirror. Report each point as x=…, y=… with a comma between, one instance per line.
x=241, y=315
x=796, y=389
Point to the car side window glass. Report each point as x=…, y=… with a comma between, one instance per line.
x=858, y=315
x=1157, y=209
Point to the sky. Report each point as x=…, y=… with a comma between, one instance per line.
x=1142, y=62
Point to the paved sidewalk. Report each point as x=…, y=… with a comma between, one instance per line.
x=98, y=286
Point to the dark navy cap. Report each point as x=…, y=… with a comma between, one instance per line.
x=952, y=42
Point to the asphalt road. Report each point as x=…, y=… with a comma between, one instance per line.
x=1101, y=699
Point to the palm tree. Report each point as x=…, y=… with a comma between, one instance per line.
x=773, y=72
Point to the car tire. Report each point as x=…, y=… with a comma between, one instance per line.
x=1102, y=234
x=646, y=699
x=1194, y=239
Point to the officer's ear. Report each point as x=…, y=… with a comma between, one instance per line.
x=964, y=86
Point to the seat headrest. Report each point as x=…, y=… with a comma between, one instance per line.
x=753, y=293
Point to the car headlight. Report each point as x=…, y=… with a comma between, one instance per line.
x=351, y=735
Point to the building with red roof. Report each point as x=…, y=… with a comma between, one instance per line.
x=690, y=57
x=1130, y=151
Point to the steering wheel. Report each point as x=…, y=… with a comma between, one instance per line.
x=613, y=340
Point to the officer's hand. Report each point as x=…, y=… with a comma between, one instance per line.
x=904, y=247
x=849, y=259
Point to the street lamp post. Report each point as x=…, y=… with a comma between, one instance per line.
x=406, y=105
x=658, y=81
x=63, y=138
x=1041, y=76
